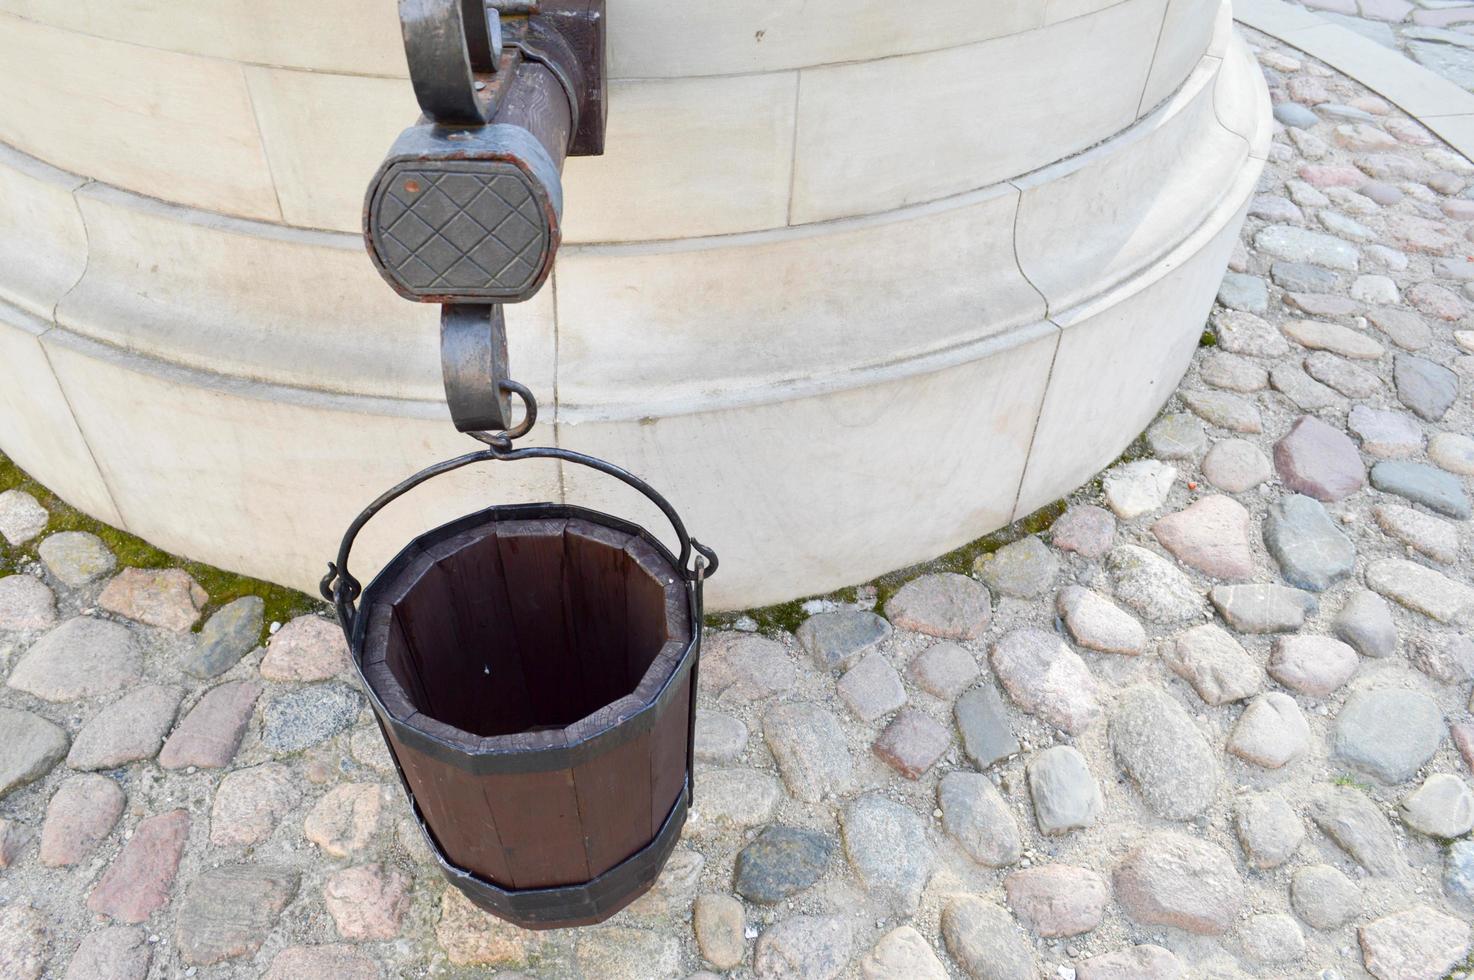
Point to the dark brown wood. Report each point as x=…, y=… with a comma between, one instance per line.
x=497, y=699
x=428, y=624
x=595, y=584
x=645, y=608
x=668, y=756
x=471, y=837
x=541, y=827
x=616, y=786
x=532, y=561
x=521, y=636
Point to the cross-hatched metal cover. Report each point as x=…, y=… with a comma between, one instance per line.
x=464, y=228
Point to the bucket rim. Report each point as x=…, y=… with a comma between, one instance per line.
x=524, y=752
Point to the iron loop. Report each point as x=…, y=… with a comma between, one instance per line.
x=503, y=440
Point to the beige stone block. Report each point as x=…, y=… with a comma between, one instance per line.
x=807, y=494
x=265, y=480
x=659, y=324
x=353, y=36
x=325, y=136
x=686, y=157
x=1121, y=357
x=176, y=127
x=1091, y=222
x=256, y=300
x=37, y=428
x=1058, y=10
x=43, y=246
x=659, y=39
x=1241, y=97
x=883, y=134
x=1187, y=29
x=1223, y=31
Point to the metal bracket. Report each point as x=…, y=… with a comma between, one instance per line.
x=447, y=42
x=456, y=47
x=473, y=362
x=466, y=210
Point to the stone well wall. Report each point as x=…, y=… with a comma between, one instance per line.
x=853, y=285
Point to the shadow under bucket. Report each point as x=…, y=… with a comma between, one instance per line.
x=533, y=669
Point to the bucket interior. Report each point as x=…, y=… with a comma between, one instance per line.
x=526, y=625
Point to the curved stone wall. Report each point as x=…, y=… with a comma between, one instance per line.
x=854, y=285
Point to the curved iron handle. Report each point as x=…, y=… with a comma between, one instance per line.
x=446, y=43
x=340, y=587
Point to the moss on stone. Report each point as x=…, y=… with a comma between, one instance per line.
x=282, y=603
x=786, y=617
x=1352, y=782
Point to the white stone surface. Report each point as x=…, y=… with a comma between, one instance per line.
x=684, y=157
x=1187, y=28
x=687, y=157
x=279, y=112
x=355, y=36
x=174, y=126
x=656, y=39
x=1101, y=350
x=254, y=300
x=43, y=246
x=929, y=124
x=323, y=147
x=1113, y=210
x=747, y=367
x=265, y=480
x=773, y=308
x=753, y=498
x=39, y=431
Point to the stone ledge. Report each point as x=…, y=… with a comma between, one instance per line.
x=336, y=329
x=281, y=144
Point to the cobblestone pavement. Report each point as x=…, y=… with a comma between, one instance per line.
x=1213, y=723
x=1437, y=34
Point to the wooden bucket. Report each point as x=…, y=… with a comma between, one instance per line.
x=533, y=671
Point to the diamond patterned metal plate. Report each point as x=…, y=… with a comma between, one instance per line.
x=467, y=228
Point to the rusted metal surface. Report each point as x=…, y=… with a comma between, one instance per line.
x=569, y=37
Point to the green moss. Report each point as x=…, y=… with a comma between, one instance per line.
x=1344, y=780
x=1208, y=339
x=282, y=603
x=787, y=617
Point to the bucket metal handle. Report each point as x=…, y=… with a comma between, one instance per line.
x=340, y=587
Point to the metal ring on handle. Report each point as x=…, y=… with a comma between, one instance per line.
x=341, y=589
x=503, y=440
